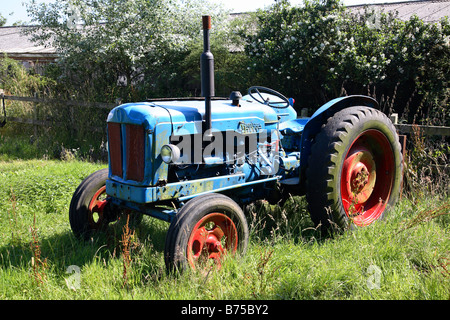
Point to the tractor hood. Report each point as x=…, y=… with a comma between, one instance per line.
x=186, y=116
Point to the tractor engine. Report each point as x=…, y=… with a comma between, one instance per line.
x=158, y=150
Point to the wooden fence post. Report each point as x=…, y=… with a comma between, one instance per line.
x=35, y=115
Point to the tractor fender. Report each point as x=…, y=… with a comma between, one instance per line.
x=319, y=118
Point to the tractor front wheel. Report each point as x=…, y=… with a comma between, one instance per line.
x=206, y=229
x=90, y=210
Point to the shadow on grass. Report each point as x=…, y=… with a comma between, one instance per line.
x=63, y=249
x=289, y=220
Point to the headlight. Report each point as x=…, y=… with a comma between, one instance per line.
x=170, y=153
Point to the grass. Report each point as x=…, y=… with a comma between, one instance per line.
x=405, y=256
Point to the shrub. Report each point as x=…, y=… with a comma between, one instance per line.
x=319, y=51
x=16, y=80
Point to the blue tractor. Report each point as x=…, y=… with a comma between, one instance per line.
x=196, y=162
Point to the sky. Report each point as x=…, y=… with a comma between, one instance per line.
x=14, y=11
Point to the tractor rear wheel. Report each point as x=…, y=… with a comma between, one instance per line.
x=355, y=169
x=205, y=230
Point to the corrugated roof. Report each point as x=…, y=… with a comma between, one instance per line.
x=429, y=11
x=13, y=42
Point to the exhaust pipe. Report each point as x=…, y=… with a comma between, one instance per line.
x=207, y=72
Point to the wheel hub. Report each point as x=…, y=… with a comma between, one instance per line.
x=96, y=208
x=212, y=238
x=359, y=172
x=359, y=177
x=367, y=177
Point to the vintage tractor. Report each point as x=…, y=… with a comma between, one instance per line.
x=196, y=162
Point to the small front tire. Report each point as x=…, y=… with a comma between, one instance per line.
x=205, y=230
x=90, y=209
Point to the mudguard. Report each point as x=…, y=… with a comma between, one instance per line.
x=314, y=124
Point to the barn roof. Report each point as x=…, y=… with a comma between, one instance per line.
x=429, y=11
x=17, y=45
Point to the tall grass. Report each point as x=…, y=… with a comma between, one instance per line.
x=403, y=257
x=427, y=170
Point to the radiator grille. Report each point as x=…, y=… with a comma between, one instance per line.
x=115, y=148
x=135, y=157
x=133, y=150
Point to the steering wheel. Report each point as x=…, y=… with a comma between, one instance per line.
x=258, y=90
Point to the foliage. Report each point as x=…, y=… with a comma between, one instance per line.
x=320, y=51
x=111, y=49
x=2, y=20
x=314, y=53
x=427, y=168
x=16, y=80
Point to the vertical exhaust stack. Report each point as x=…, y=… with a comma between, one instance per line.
x=207, y=72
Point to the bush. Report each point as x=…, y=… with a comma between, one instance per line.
x=321, y=51
x=16, y=80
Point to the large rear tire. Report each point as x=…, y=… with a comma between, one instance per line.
x=354, y=172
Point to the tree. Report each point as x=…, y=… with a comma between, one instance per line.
x=117, y=48
x=2, y=20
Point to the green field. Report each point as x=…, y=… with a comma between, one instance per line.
x=406, y=256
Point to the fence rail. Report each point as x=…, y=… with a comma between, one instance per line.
x=36, y=122
x=402, y=128
x=101, y=105
x=425, y=130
